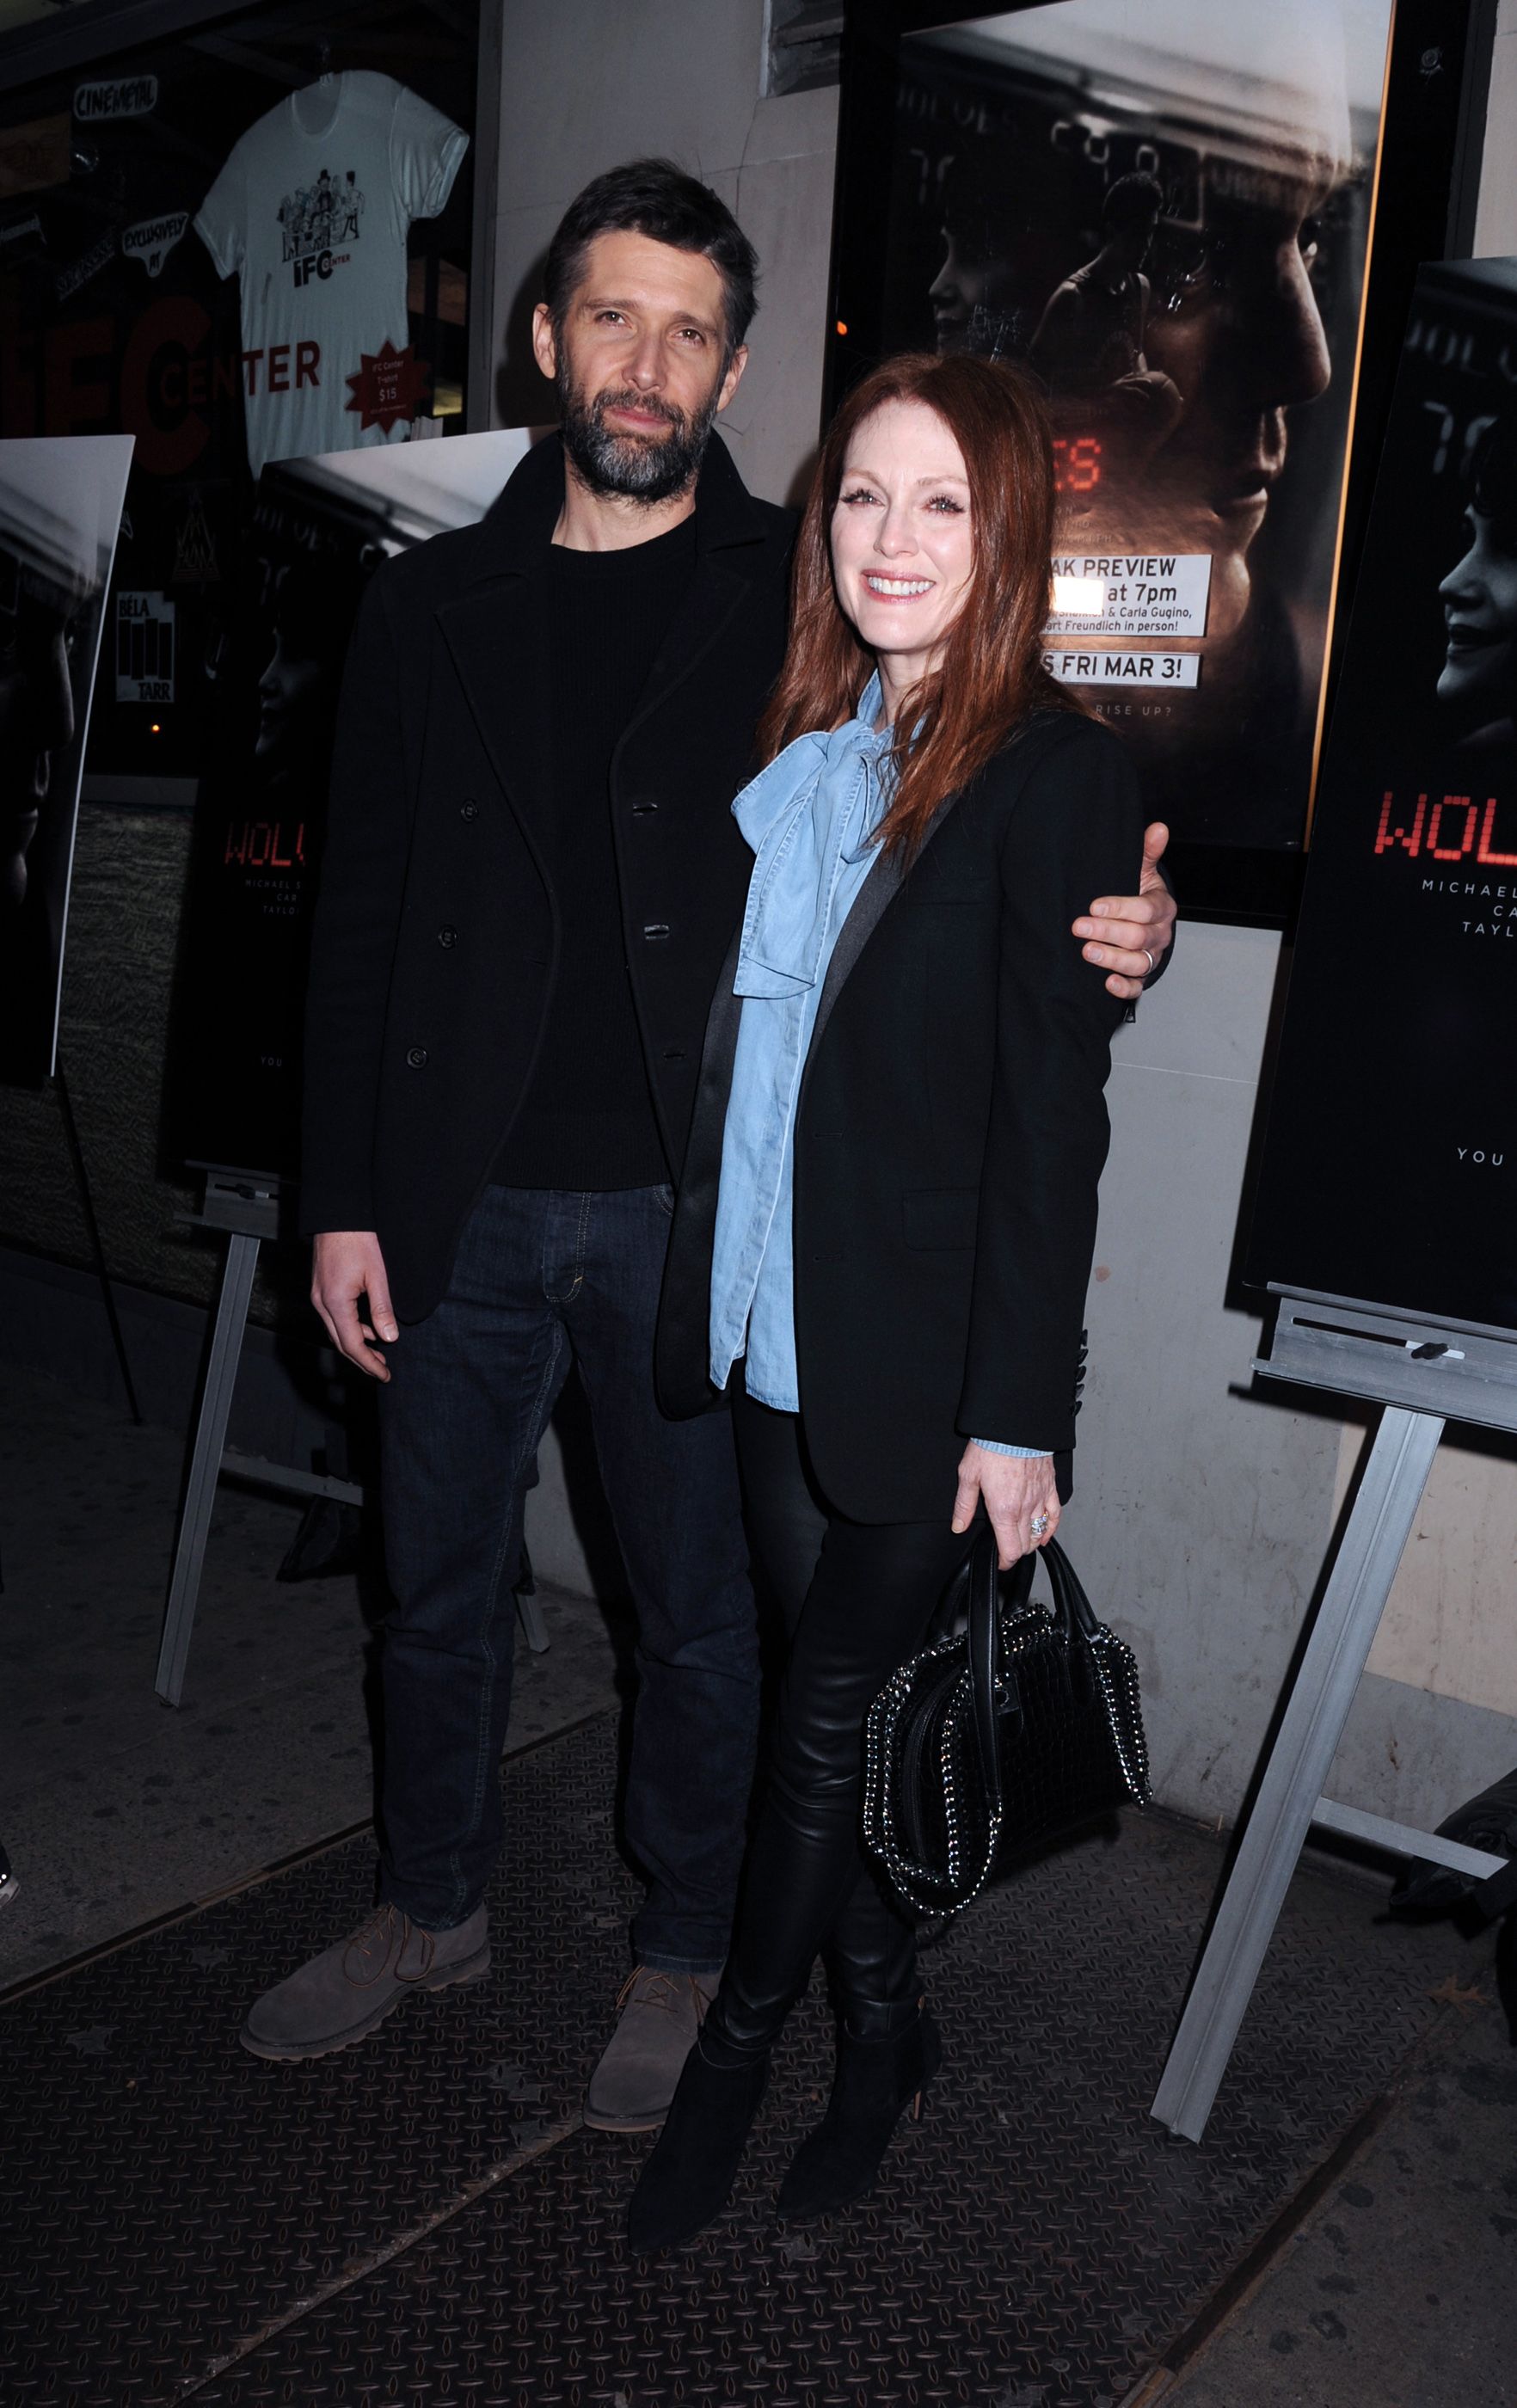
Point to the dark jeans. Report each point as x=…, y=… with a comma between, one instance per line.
x=541, y=1277
x=858, y=1598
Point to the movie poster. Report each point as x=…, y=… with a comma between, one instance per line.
x=1390, y=1170
x=60, y=510
x=1162, y=209
x=318, y=531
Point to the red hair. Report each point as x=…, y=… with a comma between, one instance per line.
x=991, y=676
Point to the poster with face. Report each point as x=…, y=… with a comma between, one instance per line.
x=1161, y=208
x=317, y=531
x=60, y=510
x=1390, y=1170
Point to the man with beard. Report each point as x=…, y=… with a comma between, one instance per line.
x=532, y=877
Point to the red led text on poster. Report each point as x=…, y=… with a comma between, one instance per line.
x=257, y=844
x=1077, y=464
x=1453, y=828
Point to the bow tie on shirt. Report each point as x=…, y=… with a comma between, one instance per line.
x=813, y=809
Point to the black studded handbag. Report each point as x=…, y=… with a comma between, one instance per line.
x=1022, y=1723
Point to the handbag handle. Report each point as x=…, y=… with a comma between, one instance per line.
x=1072, y=1605
x=982, y=1575
x=990, y=1678
x=987, y=1672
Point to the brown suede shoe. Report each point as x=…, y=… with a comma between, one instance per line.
x=343, y=1993
x=631, y=2087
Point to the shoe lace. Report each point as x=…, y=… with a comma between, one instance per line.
x=379, y=1927
x=663, y=1990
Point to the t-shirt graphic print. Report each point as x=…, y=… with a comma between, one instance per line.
x=316, y=219
x=311, y=212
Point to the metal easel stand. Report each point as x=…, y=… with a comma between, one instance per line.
x=246, y=1208
x=1422, y=1378
x=97, y=1249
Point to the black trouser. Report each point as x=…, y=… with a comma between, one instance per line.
x=858, y=1600
x=543, y=1273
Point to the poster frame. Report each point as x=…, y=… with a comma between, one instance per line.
x=51, y=863
x=1341, y=1203
x=1429, y=185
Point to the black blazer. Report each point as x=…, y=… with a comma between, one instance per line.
x=948, y=1139
x=437, y=932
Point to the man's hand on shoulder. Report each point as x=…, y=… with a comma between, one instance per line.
x=348, y=1268
x=1128, y=934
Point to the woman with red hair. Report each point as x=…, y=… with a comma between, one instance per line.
x=884, y=1234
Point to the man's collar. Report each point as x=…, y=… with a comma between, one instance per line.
x=526, y=512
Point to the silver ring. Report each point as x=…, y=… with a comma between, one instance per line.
x=1148, y=957
x=1039, y=1524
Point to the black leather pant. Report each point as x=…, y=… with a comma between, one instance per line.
x=858, y=1600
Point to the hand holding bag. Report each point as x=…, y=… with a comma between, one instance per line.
x=1024, y=1722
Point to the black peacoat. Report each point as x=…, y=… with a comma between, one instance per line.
x=437, y=933
x=949, y=1137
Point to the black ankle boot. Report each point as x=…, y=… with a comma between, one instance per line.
x=883, y=2061
x=688, y=2180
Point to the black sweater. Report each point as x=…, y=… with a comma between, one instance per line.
x=587, y=1118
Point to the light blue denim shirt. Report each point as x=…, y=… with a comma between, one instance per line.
x=810, y=818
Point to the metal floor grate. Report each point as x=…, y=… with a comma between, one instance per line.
x=180, y=2219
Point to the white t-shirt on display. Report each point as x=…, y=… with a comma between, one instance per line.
x=311, y=211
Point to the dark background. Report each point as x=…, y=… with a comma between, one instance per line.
x=260, y=820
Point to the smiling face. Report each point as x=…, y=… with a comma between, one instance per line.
x=902, y=539
x=1478, y=679
x=640, y=359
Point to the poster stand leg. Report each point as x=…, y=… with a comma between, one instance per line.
x=206, y=1462
x=1298, y=1765
x=1366, y=1352
x=97, y=1249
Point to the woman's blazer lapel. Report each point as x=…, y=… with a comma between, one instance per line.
x=871, y=904
x=682, y=1351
